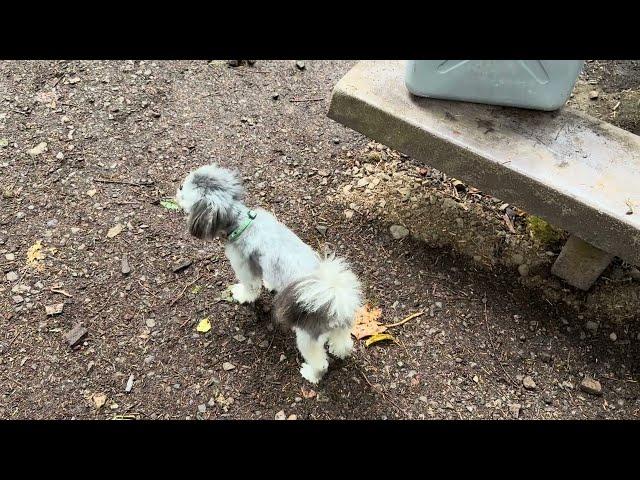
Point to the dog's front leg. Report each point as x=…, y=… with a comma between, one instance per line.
x=250, y=282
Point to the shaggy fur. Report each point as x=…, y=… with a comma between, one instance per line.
x=316, y=297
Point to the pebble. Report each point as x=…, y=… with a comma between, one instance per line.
x=228, y=366
x=125, y=268
x=518, y=259
x=635, y=274
x=591, y=386
x=613, y=337
x=150, y=322
x=545, y=357
x=300, y=65
x=292, y=417
x=10, y=256
x=202, y=408
x=523, y=270
x=515, y=409
x=398, y=231
x=593, y=94
x=129, y=385
x=322, y=229
x=591, y=326
x=280, y=415
x=239, y=338
x=20, y=215
x=528, y=383
x=12, y=276
x=17, y=299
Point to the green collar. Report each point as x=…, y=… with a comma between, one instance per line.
x=238, y=231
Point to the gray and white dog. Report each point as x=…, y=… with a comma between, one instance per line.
x=316, y=297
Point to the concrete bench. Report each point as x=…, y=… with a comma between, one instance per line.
x=577, y=172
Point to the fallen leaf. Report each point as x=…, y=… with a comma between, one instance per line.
x=4, y=142
x=366, y=323
x=170, y=204
x=308, y=392
x=204, y=326
x=378, y=337
x=35, y=253
x=113, y=231
x=99, y=399
x=197, y=289
x=92, y=192
x=54, y=309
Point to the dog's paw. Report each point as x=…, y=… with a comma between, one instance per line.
x=311, y=374
x=342, y=349
x=241, y=295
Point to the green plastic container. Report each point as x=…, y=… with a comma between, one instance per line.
x=533, y=84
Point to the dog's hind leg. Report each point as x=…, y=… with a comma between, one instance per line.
x=315, y=357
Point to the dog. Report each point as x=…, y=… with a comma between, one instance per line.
x=316, y=296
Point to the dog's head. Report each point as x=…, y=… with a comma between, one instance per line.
x=209, y=195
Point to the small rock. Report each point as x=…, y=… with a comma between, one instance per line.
x=12, y=276
x=124, y=265
x=523, y=269
x=20, y=215
x=528, y=383
x=322, y=229
x=517, y=258
x=324, y=173
x=52, y=223
x=515, y=408
x=75, y=335
x=202, y=408
x=228, y=366
x=591, y=326
x=280, y=415
x=239, y=338
x=300, y=65
x=292, y=417
x=182, y=266
x=593, y=94
x=398, y=231
x=54, y=309
x=4, y=142
x=150, y=322
x=635, y=274
x=38, y=149
x=10, y=256
x=613, y=336
x=17, y=299
x=348, y=214
x=129, y=385
x=275, y=96
x=591, y=386
x=546, y=357
x=336, y=141
x=60, y=156
x=363, y=182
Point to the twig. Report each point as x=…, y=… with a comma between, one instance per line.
x=381, y=393
x=121, y=182
x=297, y=100
x=55, y=290
x=184, y=290
x=410, y=317
x=493, y=348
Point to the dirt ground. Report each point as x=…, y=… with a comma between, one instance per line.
x=119, y=138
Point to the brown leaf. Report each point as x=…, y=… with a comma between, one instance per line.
x=366, y=323
x=308, y=392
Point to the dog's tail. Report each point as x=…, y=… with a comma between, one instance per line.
x=322, y=301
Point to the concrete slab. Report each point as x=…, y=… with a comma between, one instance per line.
x=580, y=264
x=577, y=172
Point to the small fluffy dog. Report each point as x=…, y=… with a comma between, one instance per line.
x=316, y=297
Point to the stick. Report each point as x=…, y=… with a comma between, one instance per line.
x=55, y=290
x=184, y=290
x=121, y=182
x=410, y=317
x=294, y=100
x=381, y=393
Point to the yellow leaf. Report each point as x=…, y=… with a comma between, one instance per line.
x=204, y=326
x=197, y=289
x=366, y=323
x=113, y=231
x=378, y=337
x=35, y=253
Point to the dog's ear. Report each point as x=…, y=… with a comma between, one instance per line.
x=207, y=220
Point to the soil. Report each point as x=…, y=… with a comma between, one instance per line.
x=121, y=135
